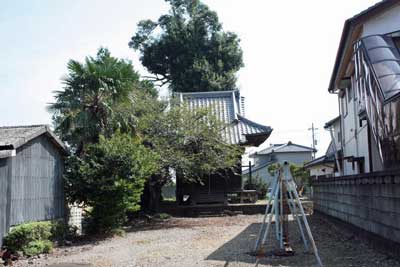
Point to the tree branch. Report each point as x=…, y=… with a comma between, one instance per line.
x=156, y=79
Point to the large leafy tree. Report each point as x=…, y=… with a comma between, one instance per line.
x=187, y=141
x=93, y=90
x=188, y=49
x=104, y=95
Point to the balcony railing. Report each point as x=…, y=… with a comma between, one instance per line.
x=377, y=83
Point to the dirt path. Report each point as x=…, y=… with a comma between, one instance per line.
x=218, y=241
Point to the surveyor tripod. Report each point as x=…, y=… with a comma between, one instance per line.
x=284, y=200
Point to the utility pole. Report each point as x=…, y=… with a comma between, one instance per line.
x=314, y=141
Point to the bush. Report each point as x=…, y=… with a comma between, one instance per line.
x=109, y=178
x=61, y=231
x=30, y=238
x=37, y=247
x=258, y=185
x=163, y=216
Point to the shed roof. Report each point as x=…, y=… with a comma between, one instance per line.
x=288, y=147
x=228, y=108
x=12, y=137
x=329, y=157
x=331, y=122
x=323, y=160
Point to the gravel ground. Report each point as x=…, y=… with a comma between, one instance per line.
x=214, y=241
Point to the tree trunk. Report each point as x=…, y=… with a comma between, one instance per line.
x=151, y=197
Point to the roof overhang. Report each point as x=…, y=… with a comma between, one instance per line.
x=9, y=150
x=321, y=161
x=256, y=139
x=331, y=122
x=352, y=30
x=226, y=106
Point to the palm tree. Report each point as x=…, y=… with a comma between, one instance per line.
x=84, y=109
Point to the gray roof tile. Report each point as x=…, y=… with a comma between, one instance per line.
x=289, y=147
x=228, y=108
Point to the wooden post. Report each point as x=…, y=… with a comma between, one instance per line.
x=250, y=174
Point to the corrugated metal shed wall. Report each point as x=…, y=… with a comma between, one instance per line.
x=3, y=197
x=36, y=189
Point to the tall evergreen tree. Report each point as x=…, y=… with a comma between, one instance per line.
x=188, y=50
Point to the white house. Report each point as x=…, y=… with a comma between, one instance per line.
x=366, y=80
x=277, y=153
x=329, y=164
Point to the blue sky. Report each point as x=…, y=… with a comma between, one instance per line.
x=289, y=50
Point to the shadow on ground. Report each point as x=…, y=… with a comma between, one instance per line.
x=240, y=248
x=175, y=222
x=337, y=248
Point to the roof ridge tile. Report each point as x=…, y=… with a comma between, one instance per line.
x=24, y=126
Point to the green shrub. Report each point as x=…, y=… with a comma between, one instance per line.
x=163, y=216
x=31, y=238
x=37, y=247
x=257, y=184
x=61, y=231
x=109, y=178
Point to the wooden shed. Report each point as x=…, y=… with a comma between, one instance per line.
x=228, y=107
x=31, y=168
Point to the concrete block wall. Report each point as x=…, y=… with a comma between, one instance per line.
x=368, y=201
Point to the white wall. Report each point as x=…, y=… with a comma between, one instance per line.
x=363, y=145
x=295, y=158
x=262, y=173
x=348, y=132
x=354, y=136
x=337, y=134
x=321, y=170
x=385, y=23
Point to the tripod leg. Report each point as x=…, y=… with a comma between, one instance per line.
x=281, y=216
x=306, y=224
x=276, y=211
x=256, y=247
x=274, y=206
x=293, y=210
